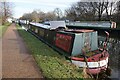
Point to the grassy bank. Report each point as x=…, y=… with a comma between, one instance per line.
x=49, y=61
x=3, y=28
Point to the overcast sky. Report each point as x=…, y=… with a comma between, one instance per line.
x=26, y=6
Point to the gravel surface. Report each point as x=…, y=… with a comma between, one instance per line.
x=17, y=62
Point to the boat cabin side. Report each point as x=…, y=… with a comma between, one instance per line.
x=73, y=41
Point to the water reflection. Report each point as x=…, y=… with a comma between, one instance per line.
x=114, y=51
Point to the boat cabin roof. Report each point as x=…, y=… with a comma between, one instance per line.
x=79, y=30
x=53, y=24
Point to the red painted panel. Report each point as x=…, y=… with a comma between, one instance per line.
x=63, y=41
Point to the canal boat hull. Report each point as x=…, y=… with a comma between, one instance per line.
x=94, y=64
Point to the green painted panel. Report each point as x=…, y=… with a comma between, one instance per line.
x=78, y=44
x=94, y=40
x=87, y=41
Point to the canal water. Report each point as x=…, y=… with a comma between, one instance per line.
x=113, y=48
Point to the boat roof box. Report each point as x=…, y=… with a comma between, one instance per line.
x=57, y=24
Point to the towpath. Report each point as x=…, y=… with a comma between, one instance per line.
x=17, y=62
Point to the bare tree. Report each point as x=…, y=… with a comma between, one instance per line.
x=50, y=16
x=58, y=12
x=110, y=8
x=117, y=14
x=99, y=8
x=6, y=10
x=91, y=10
x=26, y=16
x=35, y=16
x=118, y=6
x=71, y=13
x=39, y=16
x=81, y=11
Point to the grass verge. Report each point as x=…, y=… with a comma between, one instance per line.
x=3, y=28
x=49, y=61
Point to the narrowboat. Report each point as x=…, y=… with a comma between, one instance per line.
x=79, y=45
x=92, y=24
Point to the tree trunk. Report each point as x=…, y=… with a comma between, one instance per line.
x=99, y=17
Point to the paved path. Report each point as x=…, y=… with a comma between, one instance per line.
x=17, y=62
